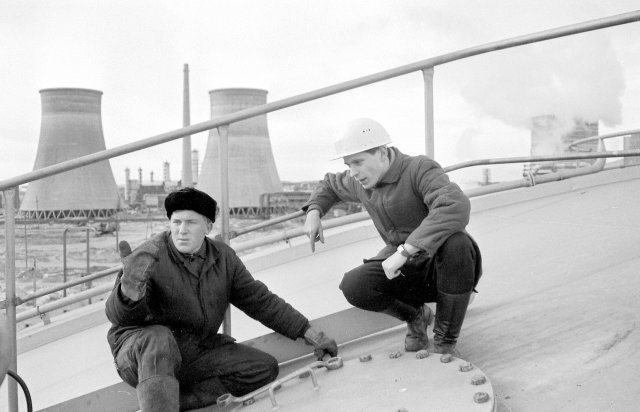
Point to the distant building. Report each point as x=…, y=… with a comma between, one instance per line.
x=139, y=193
x=547, y=138
x=632, y=142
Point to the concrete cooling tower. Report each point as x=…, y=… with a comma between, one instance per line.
x=71, y=127
x=252, y=168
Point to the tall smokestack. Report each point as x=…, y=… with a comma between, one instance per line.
x=127, y=184
x=139, y=176
x=166, y=171
x=195, y=162
x=187, y=176
x=252, y=168
x=71, y=127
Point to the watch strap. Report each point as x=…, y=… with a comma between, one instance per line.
x=403, y=251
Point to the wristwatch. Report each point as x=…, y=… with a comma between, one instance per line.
x=403, y=251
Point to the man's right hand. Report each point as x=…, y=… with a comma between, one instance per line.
x=322, y=344
x=137, y=267
x=313, y=228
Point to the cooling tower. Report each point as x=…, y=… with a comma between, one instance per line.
x=252, y=169
x=71, y=127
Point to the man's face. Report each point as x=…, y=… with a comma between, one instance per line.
x=188, y=229
x=367, y=168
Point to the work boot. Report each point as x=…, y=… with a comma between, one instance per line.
x=418, y=319
x=450, y=312
x=416, y=338
x=159, y=394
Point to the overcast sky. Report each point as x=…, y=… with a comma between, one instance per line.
x=134, y=52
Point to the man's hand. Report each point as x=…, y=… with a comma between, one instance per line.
x=313, y=228
x=392, y=265
x=321, y=343
x=136, y=268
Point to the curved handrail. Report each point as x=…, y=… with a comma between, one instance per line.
x=286, y=235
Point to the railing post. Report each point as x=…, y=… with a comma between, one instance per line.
x=223, y=132
x=64, y=259
x=10, y=266
x=429, y=137
x=88, y=286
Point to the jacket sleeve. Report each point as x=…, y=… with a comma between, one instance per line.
x=334, y=188
x=449, y=207
x=257, y=301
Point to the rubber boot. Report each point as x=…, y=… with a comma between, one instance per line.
x=450, y=312
x=418, y=319
x=159, y=394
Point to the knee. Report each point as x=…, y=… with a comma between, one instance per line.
x=159, y=340
x=271, y=367
x=351, y=287
x=158, y=352
x=457, y=246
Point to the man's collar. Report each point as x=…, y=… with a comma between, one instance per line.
x=392, y=174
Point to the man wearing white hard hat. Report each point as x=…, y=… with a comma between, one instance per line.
x=421, y=216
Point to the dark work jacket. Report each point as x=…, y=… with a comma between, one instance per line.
x=414, y=202
x=193, y=305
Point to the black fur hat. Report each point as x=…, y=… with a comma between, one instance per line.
x=191, y=199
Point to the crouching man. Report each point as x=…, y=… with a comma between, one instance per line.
x=169, y=302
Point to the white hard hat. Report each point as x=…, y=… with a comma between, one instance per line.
x=360, y=135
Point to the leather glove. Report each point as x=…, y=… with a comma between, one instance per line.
x=137, y=267
x=321, y=343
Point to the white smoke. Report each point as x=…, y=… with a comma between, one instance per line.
x=578, y=77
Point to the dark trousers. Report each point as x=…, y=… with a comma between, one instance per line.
x=203, y=373
x=453, y=270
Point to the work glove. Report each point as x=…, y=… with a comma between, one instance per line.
x=137, y=267
x=322, y=344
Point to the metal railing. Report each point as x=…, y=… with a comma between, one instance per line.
x=9, y=186
x=285, y=235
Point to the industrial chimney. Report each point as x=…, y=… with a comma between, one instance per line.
x=71, y=127
x=252, y=168
x=195, y=161
x=166, y=171
x=187, y=174
x=127, y=185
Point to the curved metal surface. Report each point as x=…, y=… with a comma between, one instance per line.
x=553, y=325
x=385, y=383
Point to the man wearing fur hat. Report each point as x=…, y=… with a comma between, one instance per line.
x=169, y=302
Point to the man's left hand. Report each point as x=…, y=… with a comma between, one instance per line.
x=392, y=265
x=321, y=343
